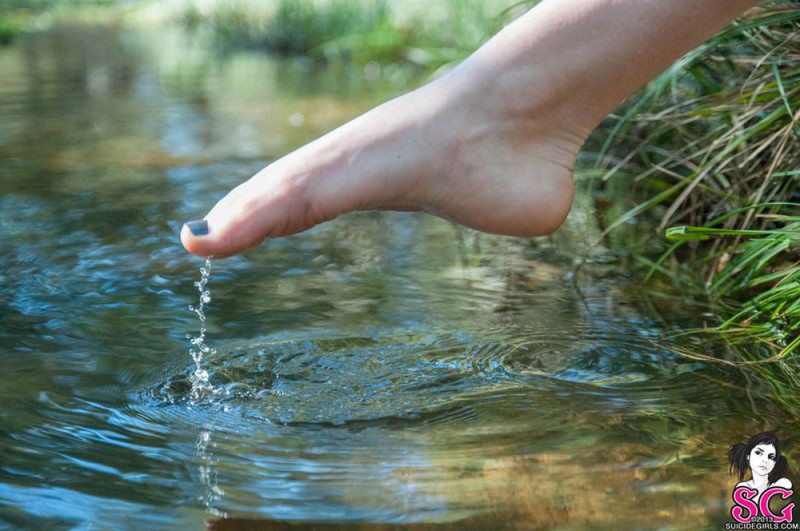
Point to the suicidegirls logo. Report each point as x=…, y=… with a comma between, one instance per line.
x=760, y=502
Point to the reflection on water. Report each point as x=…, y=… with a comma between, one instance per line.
x=208, y=474
x=379, y=368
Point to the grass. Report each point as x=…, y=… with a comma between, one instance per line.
x=711, y=149
x=763, y=271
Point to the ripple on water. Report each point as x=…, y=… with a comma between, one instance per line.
x=429, y=376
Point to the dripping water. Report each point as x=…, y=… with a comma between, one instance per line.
x=200, y=384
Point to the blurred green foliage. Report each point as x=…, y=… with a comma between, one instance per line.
x=39, y=6
x=354, y=30
x=17, y=16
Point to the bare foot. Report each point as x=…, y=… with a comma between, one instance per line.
x=491, y=164
x=490, y=145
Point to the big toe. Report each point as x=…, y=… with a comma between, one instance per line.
x=220, y=239
x=196, y=237
x=259, y=208
x=231, y=227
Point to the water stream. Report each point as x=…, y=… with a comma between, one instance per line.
x=382, y=367
x=200, y=384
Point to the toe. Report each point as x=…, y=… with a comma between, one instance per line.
x=265, y=206
x=200, y=243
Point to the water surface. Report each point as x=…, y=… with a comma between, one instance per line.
x=381, y=368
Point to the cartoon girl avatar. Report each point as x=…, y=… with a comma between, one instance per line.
x=768, y=469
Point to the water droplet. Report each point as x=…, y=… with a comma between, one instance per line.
x=200, y=384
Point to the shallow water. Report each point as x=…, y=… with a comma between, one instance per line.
x=381, y=368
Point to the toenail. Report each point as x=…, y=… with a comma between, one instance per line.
x=198, y=228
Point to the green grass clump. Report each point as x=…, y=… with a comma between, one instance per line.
x=764, y=272
x=711, y=148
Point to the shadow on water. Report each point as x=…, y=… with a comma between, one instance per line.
x=381, y=370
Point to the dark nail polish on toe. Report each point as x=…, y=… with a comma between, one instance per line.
x=198, y=228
